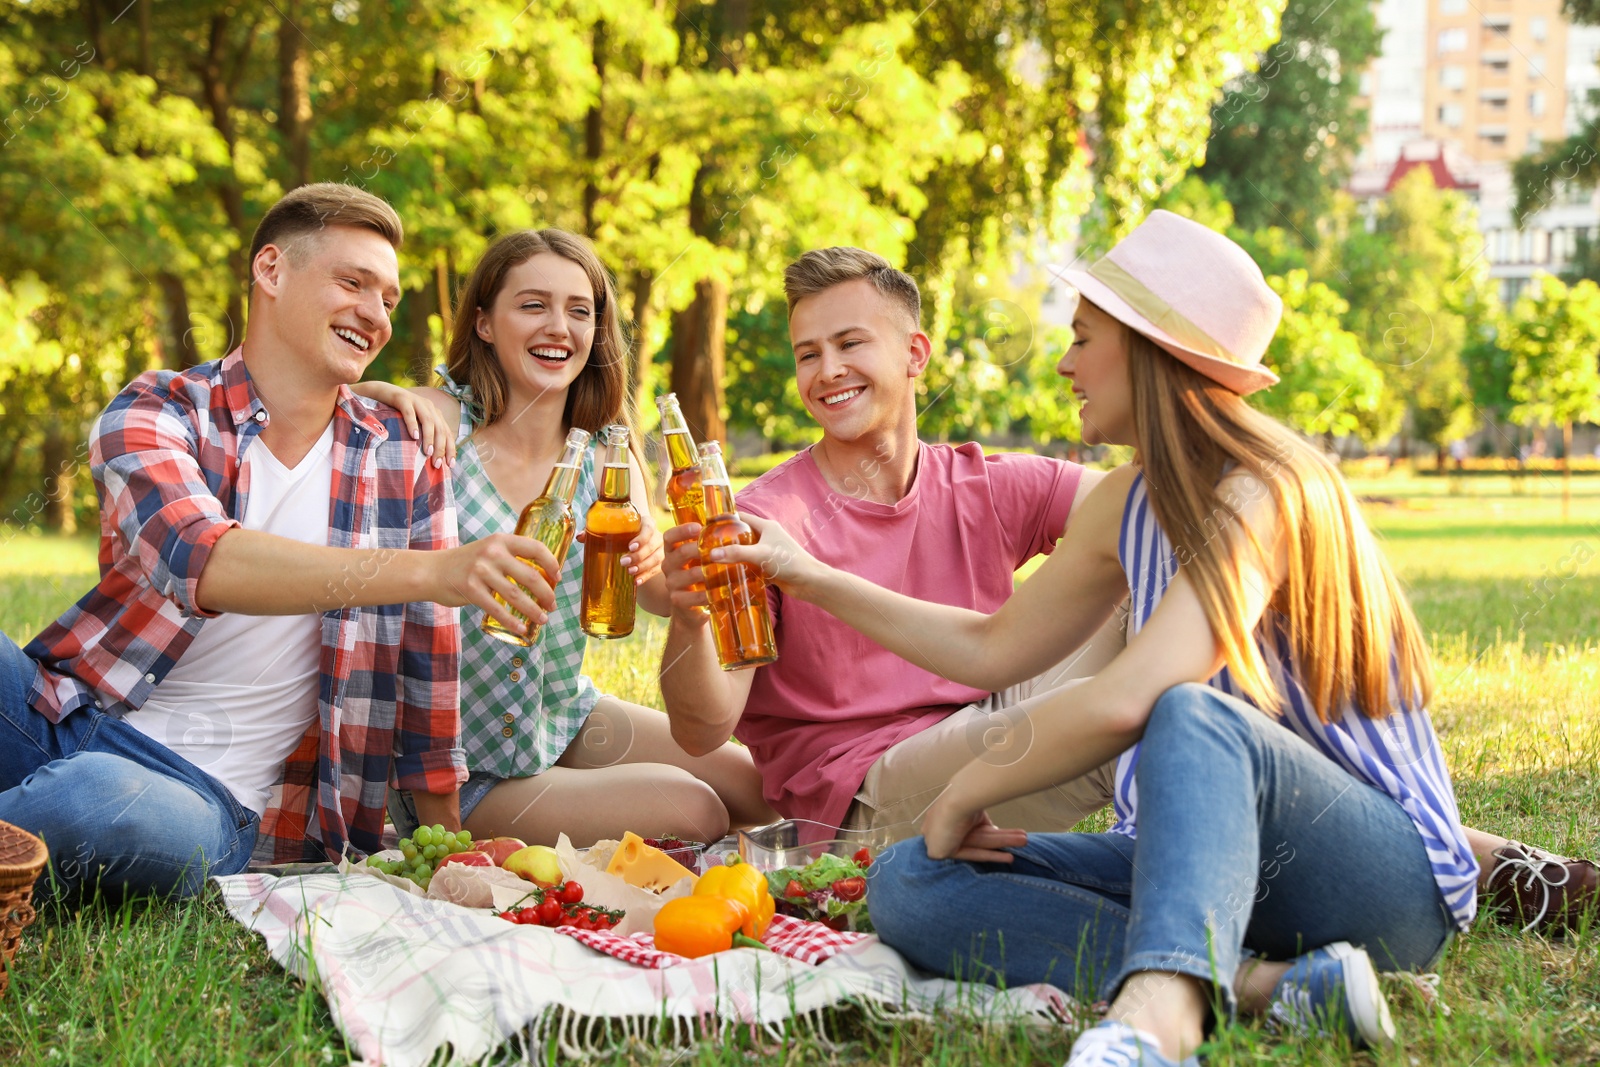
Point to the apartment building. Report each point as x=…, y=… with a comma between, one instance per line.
x=1466, y=87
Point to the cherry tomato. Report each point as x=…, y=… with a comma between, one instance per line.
x=864, y=857
x=850, y=888
x=794, y=889
x=550, y=912
x=837, y=922
x=583, y=922
x=529, y=916
x=571, y=893
x=509, y=916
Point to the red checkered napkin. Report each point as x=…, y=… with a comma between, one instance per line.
x=807, y=942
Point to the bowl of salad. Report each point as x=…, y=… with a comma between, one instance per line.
x=815, y=871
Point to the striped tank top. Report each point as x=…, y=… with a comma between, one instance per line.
x=1399, y=755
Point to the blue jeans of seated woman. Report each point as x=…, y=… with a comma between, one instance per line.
x=1249, y=838
x=119, y=811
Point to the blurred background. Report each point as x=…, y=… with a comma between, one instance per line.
x=1416, y=177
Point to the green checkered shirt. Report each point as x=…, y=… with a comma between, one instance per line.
x=520, y=707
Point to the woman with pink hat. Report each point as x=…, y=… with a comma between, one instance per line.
x=1285, y=824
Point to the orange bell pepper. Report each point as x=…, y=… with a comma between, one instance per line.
x=696, y=926
x=743, y=884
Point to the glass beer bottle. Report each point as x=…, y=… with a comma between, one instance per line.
x=611, y=525
x=547, y=520
x=684, y=494
x=741, y=625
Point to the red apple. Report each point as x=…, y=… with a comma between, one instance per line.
x=468, y=859
x=500, y=849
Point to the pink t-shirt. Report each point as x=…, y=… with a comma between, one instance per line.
x=835, y=701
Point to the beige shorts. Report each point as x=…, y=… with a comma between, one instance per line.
x=905, y=780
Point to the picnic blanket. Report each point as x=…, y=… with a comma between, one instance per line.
x=406, y=976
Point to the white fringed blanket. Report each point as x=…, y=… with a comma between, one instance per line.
x=406, y=976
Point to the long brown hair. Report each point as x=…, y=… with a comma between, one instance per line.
x=1349, y=621
x=600, y=394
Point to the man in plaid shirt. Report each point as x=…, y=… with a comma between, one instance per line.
x=273, y=639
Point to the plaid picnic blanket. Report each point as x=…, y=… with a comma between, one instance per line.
x=405, y=976
x=792, y=938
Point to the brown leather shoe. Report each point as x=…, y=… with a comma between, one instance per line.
x=1539, y=889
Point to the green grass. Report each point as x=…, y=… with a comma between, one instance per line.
x=1509, y=591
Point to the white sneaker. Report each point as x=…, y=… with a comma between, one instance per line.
x=1116, y=1044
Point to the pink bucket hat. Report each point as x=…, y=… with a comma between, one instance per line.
x=1191, y=291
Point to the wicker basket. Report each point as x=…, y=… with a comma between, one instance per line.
x=22, y=857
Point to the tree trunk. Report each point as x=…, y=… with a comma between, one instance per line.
x=179, y=349
x=594, y=131
x=441, y=279
x=698, y=332
x=59, y=472
x=644, y=284
x=1566, y=470
x=144, y=38
x=218, y=89
x=421, y=361
x=294, y=94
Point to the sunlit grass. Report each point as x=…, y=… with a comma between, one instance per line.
x=1497, y=577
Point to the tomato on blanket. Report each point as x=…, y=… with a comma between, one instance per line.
x=830, y=889
x=562, y=905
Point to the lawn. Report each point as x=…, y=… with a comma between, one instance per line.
x=1508, y=590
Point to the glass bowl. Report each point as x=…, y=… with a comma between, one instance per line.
x=796, y=842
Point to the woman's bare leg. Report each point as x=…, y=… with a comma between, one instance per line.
x=624, y=772
x=651, y=799
x=619, y=732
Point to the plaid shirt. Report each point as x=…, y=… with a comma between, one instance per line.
x=167, y=461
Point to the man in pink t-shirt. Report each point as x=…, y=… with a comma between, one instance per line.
x=845, y=732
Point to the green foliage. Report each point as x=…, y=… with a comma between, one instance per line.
x=1326, y=386
x=1554, y=341
x=1285, y=134
x=1419, y=295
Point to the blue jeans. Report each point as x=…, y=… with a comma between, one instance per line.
x=1249, y=839
x=117, y=810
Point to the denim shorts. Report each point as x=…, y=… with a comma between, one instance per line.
x=403, y=813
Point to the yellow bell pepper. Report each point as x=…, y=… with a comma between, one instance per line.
x=743, y=884
x=696, y=926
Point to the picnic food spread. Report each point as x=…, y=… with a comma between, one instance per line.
x=633, y=892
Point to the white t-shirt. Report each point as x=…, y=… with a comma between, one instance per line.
x=240, y=698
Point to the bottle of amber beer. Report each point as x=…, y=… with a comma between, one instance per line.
x=611, y=525
x=548, y=520
x=684, y=494
x=741, y=625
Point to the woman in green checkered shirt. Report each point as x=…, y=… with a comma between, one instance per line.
x=537, y=348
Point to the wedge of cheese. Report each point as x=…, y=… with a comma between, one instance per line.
x=645, y=866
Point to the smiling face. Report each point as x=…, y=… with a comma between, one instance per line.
x=541, y=324
x=329, y=297
x=1097, y=363
x=856, y=357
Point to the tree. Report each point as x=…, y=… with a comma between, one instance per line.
x=1554, y=342
x=1417, y=292
x=1326, y=386
x=1285, y=134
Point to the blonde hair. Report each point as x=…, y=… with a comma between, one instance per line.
x=825, y=268
x=1348, y=619
x=599, y=395
x=311, y=209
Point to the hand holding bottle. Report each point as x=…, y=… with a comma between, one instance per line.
x=781, y=559
x=482, y=571
x=685, y=580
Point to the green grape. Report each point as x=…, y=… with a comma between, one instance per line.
x=409, y=851
x=438, y=829
x=423, y=837
x=403, y=842
x=464, y=836
x=429, y=851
